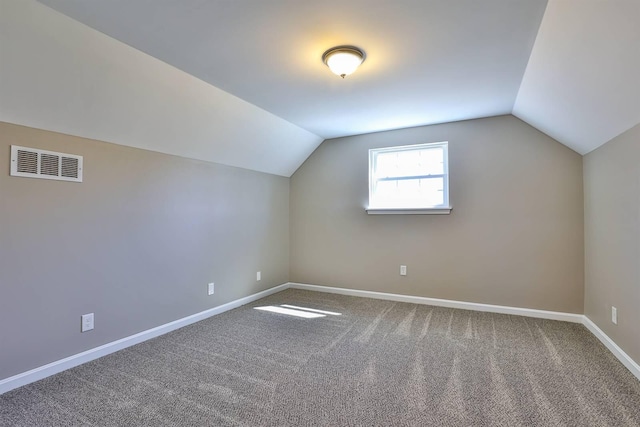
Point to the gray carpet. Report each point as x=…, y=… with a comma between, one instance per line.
x=379, y=363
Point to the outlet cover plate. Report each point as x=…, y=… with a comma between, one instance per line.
x=87, y=322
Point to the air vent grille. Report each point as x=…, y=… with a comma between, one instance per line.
x=49, y=164
x=69, y=167
x=33, y=163
x=27, y=161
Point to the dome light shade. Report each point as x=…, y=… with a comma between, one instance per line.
x=343, y=60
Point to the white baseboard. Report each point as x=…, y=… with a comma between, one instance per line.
x=623, y=357
x=528, y=312
x=41, y=372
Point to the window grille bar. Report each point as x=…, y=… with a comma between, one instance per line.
x=405, y=178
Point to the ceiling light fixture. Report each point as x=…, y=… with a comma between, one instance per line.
x=343, y=60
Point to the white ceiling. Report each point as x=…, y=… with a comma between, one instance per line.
x=570, y=69
x=428, y=61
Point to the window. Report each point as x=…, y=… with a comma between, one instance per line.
x=409, y=179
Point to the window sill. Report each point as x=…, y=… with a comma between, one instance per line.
x=413, y=211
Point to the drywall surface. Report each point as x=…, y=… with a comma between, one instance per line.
x=136, y=243
x=514, y=237
x=612, y=238
x=60, y=75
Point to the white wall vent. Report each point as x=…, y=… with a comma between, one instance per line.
x=32, y=163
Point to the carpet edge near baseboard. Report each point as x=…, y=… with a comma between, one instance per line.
x=55, y=367
x=72, y=361
x=611, y=345
x=528, y=312
x=620, y=354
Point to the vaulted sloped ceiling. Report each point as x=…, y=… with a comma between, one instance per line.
x=582, y=84
x=253, y=69
x=427, y=61
x=60, y=75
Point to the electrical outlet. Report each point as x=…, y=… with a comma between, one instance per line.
x=403, y=270
x=211, y=288
x=614, y=315
x=259, y=276
x=87, y=322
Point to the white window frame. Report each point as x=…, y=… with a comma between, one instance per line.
x=444, y=208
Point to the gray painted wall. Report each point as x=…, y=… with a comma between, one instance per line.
x=612, y=238
x=515, y=236
x=136, y=243
x=138, y=240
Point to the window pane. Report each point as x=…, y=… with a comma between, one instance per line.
x=427, y=161
x=406, y=193
x=386, y=164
